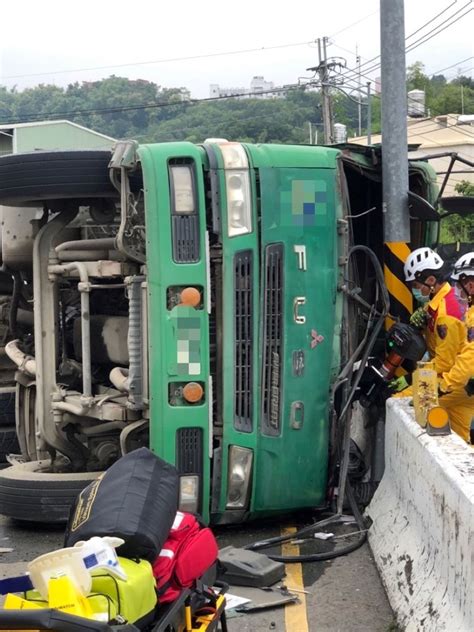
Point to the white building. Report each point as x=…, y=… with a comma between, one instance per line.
x=259, y=89
x=453, y=133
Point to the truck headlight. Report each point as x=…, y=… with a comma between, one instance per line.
x=189, y=494
x=239, y=217
x=237, y=180
x=239, y=477
x=183, y=189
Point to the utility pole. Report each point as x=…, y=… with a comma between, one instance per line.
x=369, y=114
x=326, y=70
x=359, y=107
x=396, y=219
x=394, y=122
x=322, y=70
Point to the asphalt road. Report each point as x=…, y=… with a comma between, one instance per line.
x=342, y=595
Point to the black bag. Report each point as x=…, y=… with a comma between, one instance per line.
x=136, y=499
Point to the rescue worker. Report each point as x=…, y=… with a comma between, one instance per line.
x=463, y=276
x=445, y=333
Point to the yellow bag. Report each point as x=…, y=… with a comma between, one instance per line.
x=133, y=599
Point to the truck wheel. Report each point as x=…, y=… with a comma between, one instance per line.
x=54, y=175
x=29, y=492
x=8, y=443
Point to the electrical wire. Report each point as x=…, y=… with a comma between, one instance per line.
x=145, y=106
x=185, y=103
x=185, y=58
x=28, y=118
x=422, y=40
x=346, y=28
x=161, y=61
x=458, y=63
x=368, y=61
x=443, y=26
x=425, y=124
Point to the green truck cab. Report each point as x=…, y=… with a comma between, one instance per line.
x=215, y=324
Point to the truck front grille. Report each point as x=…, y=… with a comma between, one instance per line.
x=272, y=339
x=243, y=340
x=189, y=451
x=185, y=238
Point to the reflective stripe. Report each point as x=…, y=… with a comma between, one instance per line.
x=396, y=287
x=401, y=300
x=400, y=249
x=178, y=520
x=167, y=553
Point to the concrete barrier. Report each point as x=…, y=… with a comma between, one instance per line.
x=422, y=534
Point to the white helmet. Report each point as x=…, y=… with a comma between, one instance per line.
x=464, y=266
x=420, y=260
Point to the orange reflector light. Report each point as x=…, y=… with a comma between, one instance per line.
x=190, y=296
x=437, y=417
x=193, y=392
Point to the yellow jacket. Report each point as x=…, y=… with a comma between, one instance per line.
x=470, y=318
x=450, y=342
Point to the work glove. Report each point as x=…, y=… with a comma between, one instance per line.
x=441, y=392
x=419, y=318
x=399, y=384
x=469, y=388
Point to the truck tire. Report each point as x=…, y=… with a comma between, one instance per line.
x=32, y=178
x=8, y=443
x=28, y=492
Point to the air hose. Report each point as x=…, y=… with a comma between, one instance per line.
x=345, y=488
x=316, y=557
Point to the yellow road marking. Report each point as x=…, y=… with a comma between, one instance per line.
x=296, y=618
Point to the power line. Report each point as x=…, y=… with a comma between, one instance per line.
x=432, y=20
x=145, y=106
x=186, y=58
x=353, y=86
x=408, y=36
x=160, y=61
x=439, y=29
x=458, y=63
x=346, y=28
x=426, y=124
x=345, y=76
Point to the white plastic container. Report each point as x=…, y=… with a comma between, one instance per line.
x=98, y=554
x=68, y=562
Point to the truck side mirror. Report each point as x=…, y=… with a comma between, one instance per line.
x=421, y=209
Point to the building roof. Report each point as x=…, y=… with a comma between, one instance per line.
x=12, y=126
x=448, y=130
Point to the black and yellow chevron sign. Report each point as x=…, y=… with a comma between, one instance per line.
x=401, y=299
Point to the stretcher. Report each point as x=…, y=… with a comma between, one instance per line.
x=199, y=609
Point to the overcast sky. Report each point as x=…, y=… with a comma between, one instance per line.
x=41, y=40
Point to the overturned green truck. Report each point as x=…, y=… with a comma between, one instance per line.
x=205, y=300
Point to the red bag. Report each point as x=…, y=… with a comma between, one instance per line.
x=187, y=554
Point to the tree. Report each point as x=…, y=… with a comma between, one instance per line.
x=416, y=77
x=124, y=108
x=462, y=228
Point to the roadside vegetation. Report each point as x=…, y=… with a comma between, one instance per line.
x=125, y=108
